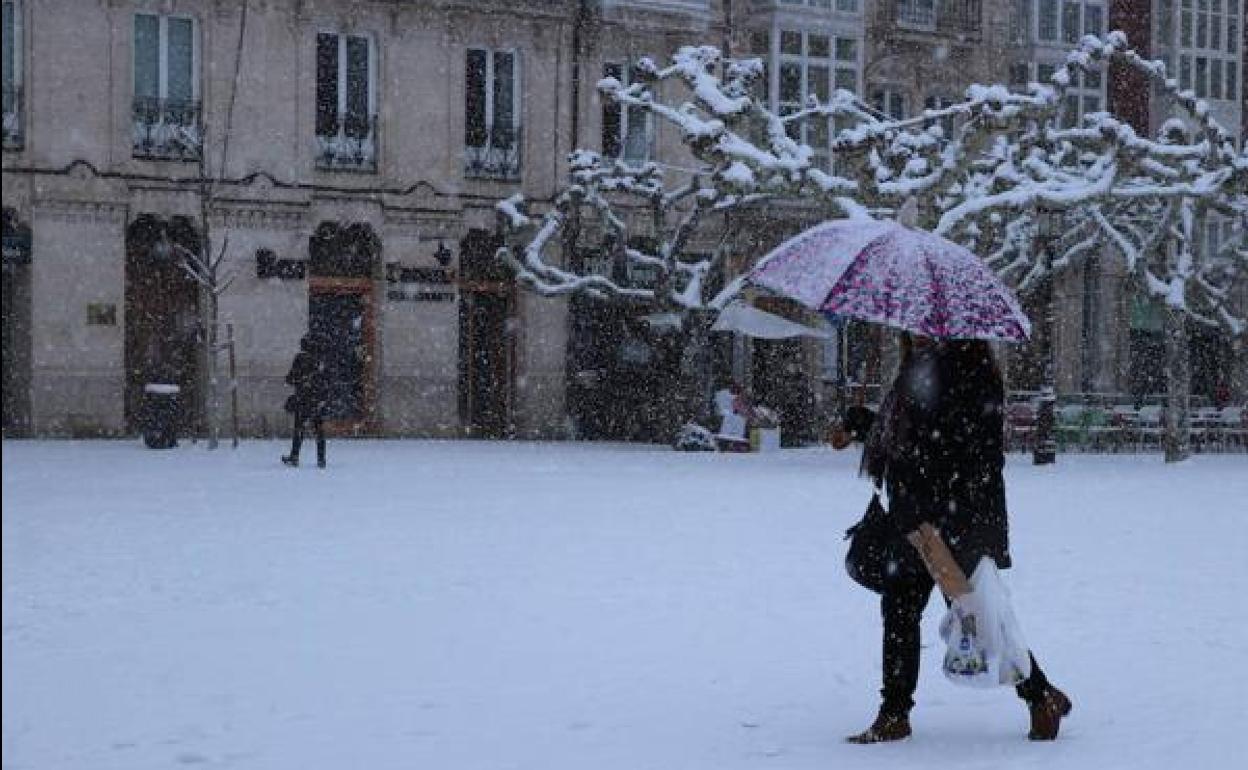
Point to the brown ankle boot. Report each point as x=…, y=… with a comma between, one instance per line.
x=886, y=728
x=1047, y=713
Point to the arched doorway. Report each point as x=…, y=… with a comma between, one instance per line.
x=486, y=342
x=15, y=319
x=163, y=330
x=343, y=263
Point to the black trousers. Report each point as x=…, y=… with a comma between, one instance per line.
x=318, y=429
x=902, y=607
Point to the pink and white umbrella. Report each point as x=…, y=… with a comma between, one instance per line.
x=889, y=274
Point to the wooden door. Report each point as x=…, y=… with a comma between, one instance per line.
x=341, y=317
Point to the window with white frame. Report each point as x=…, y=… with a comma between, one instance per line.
x=1219, y=232
x=12, y=69
x=1084, y=96
x=346, y=101
x=166, y=111
x=916, y=13
x=1209, y=39
x=1065, y=22
x=627, y=133
x=1020, y=21
x=889, y=102
x=812, y=64
x=492, y=119
x=940, y=102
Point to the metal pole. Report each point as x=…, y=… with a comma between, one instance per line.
x=229, y=335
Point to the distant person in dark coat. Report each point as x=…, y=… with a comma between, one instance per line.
x=937, y=447
x=308, y=403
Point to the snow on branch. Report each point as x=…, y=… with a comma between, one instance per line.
x=983, y=171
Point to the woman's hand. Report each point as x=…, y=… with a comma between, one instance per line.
x=840, y=438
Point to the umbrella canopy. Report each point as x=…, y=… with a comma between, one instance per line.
x=889, y=274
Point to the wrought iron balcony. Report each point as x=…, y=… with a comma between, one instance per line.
x=14, y=135
x=347, y=143
x=949, y=17
x=167, y=129
x=493, y=153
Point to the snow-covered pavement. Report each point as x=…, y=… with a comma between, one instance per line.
x=489, y=606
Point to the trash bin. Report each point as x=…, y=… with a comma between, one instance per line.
x=160, y=415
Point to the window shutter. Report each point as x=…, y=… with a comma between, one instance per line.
x=146, y=56
x=181, y=63
x=10, y=52
x=357, y=115
x=326, y=84
x=474, y=96
x=504, y=99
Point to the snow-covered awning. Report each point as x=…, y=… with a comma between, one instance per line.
x=748, y=320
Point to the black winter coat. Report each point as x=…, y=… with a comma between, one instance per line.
x=945, y=464
x=308, y=376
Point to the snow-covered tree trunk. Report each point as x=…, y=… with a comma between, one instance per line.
x=214, y=393
x=1178, y=386
x=214, y=280
x=695, y=369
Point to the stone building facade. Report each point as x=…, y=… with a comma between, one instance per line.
x=343, y=158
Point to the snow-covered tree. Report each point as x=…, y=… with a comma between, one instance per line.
x=214, y=278
x=1009, y=161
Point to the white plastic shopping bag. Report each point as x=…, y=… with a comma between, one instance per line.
x=985, y=645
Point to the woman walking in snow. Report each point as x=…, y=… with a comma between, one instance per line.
x=937, y=448
x=308, y=403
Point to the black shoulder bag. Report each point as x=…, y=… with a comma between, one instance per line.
x=878, y=554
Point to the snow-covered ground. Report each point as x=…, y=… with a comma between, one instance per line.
x=465, y=606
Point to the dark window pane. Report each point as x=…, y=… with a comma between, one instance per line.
x=846, y=49
x=1093, y=20
x=1047, y=26
x=818, y=83
x=819, y=46
x=474, y=98
x=790, y=83
x=147, y=55
x=847, y=79
x=326, y=84
x=1070, y=21
x=637, y=143
x=611, y=115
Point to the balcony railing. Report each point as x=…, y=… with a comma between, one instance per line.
x=348, y=143
x=952, y=17
x=14, y=136
x=493, y=153
x=167, y=129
